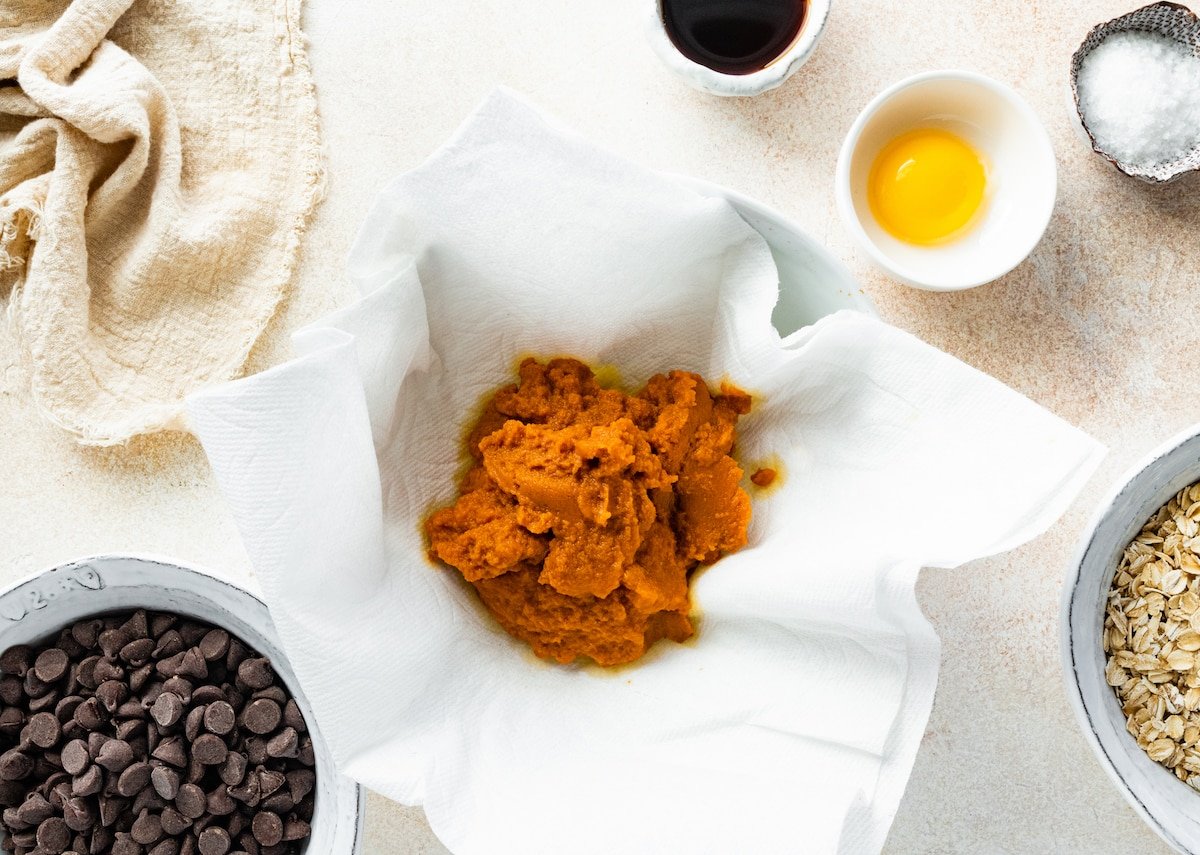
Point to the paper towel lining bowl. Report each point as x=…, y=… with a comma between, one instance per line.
x=35, y=608
x=1168, y=805
x=812, y=282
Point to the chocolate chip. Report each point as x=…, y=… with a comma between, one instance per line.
x=139, y=677
x=233, y=770
x=208, y=693
x=16, y=660
x=193, y=664
x=293, y=718
x=171, y=751
x=248, y=792
x=286, y=743
x=45, y=702
x=214, y=645
x=88, y=782
x=255, y=673
x=10, y=721
x=165, y=781
x=191, y=801
x=110, y=809
x=115, y=755
x=50, y=665
x=214, y=841
x=219, y=717
x=300, y=783
x=209, y=749
x=147, y=828
x=123, y=844
x=219, y=801
x=134, y=779
x=112, y=693
x=170, y=644
x=195, y=723
x=91, y=714
x=78, y=814
x=86, y=672
x=267, y=828
x=161, y=622
x=53, y=836
x=138, y=652
x=138, y=625
x=64, y=710
x=173, y=822
x=43, y=730
x=169, y=666
x=193, y=631
x=34, y=810
x=86, y=633
x=279, y=803
x=167, y=709
x=262, y=716
x=256, y=749
x=75, y=757
x=102, y=841
x=107, y=669
x=179, y=686
x=12, y=690
x=14, y=765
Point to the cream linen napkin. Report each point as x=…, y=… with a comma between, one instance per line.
x=157, y=169
x=791, y=724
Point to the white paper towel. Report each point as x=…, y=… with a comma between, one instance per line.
x=791, y=723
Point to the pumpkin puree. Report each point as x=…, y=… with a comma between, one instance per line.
x=586, y=508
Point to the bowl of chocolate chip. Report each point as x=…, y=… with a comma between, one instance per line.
x=147, y=708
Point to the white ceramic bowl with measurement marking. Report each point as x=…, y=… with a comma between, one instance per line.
x=36, y=608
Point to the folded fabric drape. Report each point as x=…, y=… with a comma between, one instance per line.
x=159, y=162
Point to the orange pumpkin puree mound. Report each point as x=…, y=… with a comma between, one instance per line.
x=587, y=508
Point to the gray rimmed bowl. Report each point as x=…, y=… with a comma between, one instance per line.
x=1168, y=805
x=1172, y=20
x=36, y=608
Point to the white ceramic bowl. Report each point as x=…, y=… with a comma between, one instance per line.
x=701, y=77
x=812, y=282
x=36, y=608
x=1022, y=177
x=1169, y=806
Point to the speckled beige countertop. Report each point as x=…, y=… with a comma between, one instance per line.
x=1101, y=325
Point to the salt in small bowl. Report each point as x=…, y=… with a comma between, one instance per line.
x=1164, y=18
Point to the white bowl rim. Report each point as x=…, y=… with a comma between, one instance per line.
x=1065, y=638
x=211, y=576
x=845, y=203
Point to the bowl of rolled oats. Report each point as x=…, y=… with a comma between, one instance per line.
x=1130, y=634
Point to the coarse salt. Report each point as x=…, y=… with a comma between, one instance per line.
x=1139, y=95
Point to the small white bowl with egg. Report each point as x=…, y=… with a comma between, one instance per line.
x=970, y=191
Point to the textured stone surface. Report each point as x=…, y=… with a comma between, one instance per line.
x=1100, y=326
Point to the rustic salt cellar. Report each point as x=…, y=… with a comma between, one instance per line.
x=1167, y=20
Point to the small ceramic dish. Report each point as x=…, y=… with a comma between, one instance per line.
x=36, y=608
x=1021, y=178
x=1168, y=805
x=816, y=15
x=812, y=282
x=1168, y=19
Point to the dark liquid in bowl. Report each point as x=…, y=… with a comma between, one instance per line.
x=733, y=36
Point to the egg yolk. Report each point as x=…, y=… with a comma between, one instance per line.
x=926, y=186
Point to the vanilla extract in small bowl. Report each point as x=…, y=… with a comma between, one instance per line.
x=734, y=36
